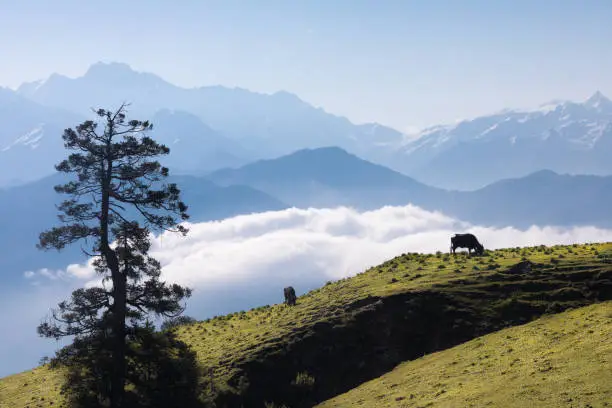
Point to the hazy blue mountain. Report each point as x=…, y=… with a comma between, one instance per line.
x=332, y=177
x=195, y=148
x=540, y=198
x=328, y=176
x=268, y=125
x=30, y=138
x=324, y=177
x=28, y=209
x=566, y=137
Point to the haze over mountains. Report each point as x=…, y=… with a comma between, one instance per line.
x=566, y=137
x=214, y=127
x=321, y=178
x=30, y=137
x=265, y=125
x=262, y=152
x=236, y=152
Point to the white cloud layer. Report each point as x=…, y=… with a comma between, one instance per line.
x=245, y=261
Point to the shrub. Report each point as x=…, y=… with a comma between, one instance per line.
x=303, y=379
x=273, y=405
x=177, y=321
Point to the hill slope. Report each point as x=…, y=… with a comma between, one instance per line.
x=357, y=329
x=555, y=361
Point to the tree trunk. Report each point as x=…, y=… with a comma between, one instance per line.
x=118, y=309
x=118, y=348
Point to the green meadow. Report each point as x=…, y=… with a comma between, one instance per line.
x=511, y=326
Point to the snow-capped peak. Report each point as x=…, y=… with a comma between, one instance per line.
x=550, y=106
x=579, y=123
x=30, y=139
x=598, y=101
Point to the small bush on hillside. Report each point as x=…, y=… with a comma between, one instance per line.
x=273, y=405
x=177, y=321
x=303, y=379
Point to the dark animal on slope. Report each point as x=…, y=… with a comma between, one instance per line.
x=468, y=241
x=289, y=296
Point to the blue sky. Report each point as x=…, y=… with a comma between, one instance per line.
x=401, y=63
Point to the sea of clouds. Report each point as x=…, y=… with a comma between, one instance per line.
x=246, y=261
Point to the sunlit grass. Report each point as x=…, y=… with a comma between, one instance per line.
x=224, y=342
x=562, y=360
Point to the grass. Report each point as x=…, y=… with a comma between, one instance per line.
x=563, y=360
x=232, y=348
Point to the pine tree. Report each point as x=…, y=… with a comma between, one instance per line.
x=117, y=200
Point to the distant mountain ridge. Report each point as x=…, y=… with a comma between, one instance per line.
x=195, y=148
x=29, y=209
x=324, y=177
x=328, y=176
x=30, y=137
x=268, y=125
x=563, y=136
x=331, y=177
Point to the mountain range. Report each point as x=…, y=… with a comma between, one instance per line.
x=28, y=209
x=264, y=125
x=562, y=136
x=331, y=176
x=215, y=127
x=234, y=152
x=323, y=177
x=30, y=138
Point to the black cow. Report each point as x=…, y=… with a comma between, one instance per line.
x=289, y=295
x=468, y=241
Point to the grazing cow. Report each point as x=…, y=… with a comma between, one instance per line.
x=468, y=241
x=289, y=296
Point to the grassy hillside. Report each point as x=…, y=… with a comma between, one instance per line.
x=357, y=329
x=562, y=360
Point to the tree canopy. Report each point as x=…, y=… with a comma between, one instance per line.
x=117, y=200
